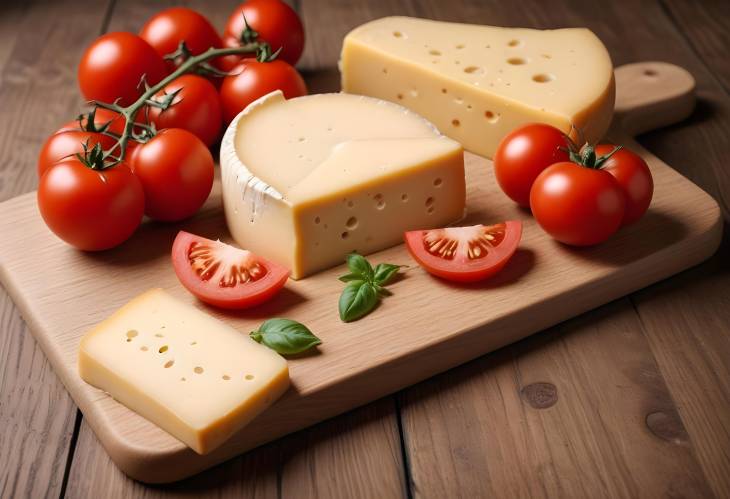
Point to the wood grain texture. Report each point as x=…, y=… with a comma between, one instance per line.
x=569, y=423
x=544, y=284
x=36, y=413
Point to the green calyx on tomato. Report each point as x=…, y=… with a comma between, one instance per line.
x=587, y=156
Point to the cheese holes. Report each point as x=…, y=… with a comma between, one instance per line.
x=491, y=116
x=198, y=370
x=385, y=71
x=317, y=220
x=169, y=364
x=226, y=377
x=437, y=182
x=143, y=348
x=131, y=334
x=459, y=46
x=163, y=349
x=193, y=343
x=158, y=335
x=182, y=379
x=397, y=34
x=543, y=78
x=345, y=235
x=434, y=52
x=429, y=202
x=350, y=204
x=379, y=201
x=455, y=122
x=517, y=61
x=400, y=96
x=248, y=377
x=514, y=43
x=650, y=73
x=443, y=90
x=474, y=70
x=301, y=139
x=351, y=223
x=404, y=197
x=546, y=56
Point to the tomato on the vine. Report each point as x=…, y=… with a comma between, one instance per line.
x=523, y=154
x=633, y=175
x=195, y=108
x=274, y=21
x=465, y=254
x=90, y=209
x=176, y=171
x=576, y=204
x=113, y=65
x=65, y=144
x=224, y=276
x=166, y=29
x=101, y=117
x=254, y=79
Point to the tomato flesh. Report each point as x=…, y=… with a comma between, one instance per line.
x=225, y=276
x=465, y=254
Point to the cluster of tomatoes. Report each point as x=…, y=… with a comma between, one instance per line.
x=581, y=197
x=93, y=192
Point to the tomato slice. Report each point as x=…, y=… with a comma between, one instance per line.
x=225, y=276
x=465, y=254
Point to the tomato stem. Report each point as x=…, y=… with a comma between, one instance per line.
x=129, y=112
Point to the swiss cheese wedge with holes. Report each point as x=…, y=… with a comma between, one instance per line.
x=308, y=180
x=190, y=374
x=478, y=83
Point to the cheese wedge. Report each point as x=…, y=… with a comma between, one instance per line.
x=190, y=374
x=478, y=83
x=308, y=180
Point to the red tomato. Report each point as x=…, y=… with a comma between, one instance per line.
x=196, y=108
x=64, y=145
x=225, y=276
x=228, y=63
x=112, y=67
x=633, y=175
x=465, y=254
x=255, y=79
x=91, y=209
x=577, y=205
x=165, y=30
x=176, y=171
x=275, y=22
x=523, y=154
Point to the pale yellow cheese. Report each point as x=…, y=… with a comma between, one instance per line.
x=477, y=83
x=192, y=375
x=309, y=180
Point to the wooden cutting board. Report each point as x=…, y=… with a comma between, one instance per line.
x=427, y=326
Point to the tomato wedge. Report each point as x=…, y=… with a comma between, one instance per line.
x=465, y=254
x=225, y=276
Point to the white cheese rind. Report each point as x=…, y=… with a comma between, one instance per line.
x=352, y=174
x=477, y=83
x=192, y=375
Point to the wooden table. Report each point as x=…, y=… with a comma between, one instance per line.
x=631, y=399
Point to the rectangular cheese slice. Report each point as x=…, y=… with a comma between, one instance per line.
x=192, y=375
x=308, y=180
x=478, y=83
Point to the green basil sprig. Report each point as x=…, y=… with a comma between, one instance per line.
x=285, y=336
x=364, y=286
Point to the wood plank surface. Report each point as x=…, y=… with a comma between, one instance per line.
x=38, y=57
x=684, y=320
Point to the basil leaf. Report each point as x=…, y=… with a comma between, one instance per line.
x=358, y=265
x=350, y=277
x=357, y=299
x=285, y=336
x=384, y=272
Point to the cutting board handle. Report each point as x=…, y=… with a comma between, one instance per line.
x=652, y=95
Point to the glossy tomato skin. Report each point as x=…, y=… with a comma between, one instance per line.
x=91, y=210
x=113, y=65
x=165, y=30
x=239, y=296
x=461, y=269
x=633, y=175
x=66, y=144
x=577, y=205
x=196, y=108
x=275, y=22
x=253, y=79
x=523, y=154
x=176, y=172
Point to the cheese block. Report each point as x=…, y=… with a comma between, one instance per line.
x=192, y=375
x=478, y=83
x=308, y=180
